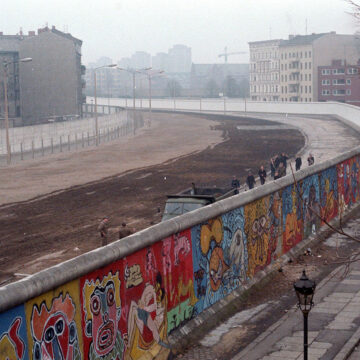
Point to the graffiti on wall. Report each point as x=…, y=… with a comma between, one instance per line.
x=292, y=217
x=101, y=305
x=13, y=343
x=54, y=324
x=310, y=199
x=328, y=194
x=127, y=309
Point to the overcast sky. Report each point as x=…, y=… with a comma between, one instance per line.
x=117, y=28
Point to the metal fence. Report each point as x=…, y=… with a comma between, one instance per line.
x=30, y=142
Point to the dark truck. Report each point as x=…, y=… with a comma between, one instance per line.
x=194, y=198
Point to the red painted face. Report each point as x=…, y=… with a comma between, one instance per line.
x=55, y=340
x=104, y=322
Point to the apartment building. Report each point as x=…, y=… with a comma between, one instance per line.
x=299, y=58
x=264, y=70
x=339, y=81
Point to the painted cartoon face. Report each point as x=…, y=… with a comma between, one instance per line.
x=104, y=322
x=56, y=339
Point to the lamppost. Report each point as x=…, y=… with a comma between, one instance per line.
x=6, y=64
x=96, y=113
x=305, y=290
x=150, y=75
x=133, y=72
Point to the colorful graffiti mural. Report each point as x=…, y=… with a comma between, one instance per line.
x=127, y=309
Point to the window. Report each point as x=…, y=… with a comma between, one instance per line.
x=325, y=92
x=348, y=81
x=309, y=77
x=305, y=89
x=301, y=77
x=338, y=81
x=285, y=89
x=309, y=65
x=348, y=92
x=306, y=65
x=301, y=89
x=305, y=53
x=339, y=92
x=285, y=66
x=309, y=53
x=305, y=77
x=338, y=71
x=326, y=71
x=282, y=56
x=325, y=82
x=309, y=89
x=285, y=78
x=352, y=71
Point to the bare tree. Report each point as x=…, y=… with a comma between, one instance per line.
x=355, y=5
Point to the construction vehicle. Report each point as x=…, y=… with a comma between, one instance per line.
x=194, y=198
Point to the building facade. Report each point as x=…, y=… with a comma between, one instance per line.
x=299, y=58
x=9, y=53
x=264, y=70
x=51, y=85
x=339, y=82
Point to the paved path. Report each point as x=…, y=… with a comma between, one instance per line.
x=327, y=136
x=333, y=322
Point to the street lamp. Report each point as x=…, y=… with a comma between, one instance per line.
x=8, y=149
x=96, y=113
x=305, y=290
x=133, y=72
x=150, y=75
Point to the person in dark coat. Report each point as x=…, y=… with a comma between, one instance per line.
x=262, y=175
x=298, y=163
x=281, y=170
x=250, y=180
x=311, y=160
x=276, y=161
x=235, y=184
x=283, y=159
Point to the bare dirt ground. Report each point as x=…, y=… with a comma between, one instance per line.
x=41, y=232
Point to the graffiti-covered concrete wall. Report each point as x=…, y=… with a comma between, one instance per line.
x=123, y=301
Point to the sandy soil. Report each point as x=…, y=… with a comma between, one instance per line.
x=170, y=136
x=41, y=232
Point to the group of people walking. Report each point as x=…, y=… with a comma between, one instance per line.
x=278, y=167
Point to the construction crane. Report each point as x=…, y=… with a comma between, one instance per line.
x=226, y=54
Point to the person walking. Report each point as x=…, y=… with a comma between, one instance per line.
x=235, y=184
x=103, y=230
x=250, y=181
x=262, y=175
x=310, y=160
x=124, y=231
x=298, y=163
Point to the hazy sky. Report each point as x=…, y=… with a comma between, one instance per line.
x=117, y=28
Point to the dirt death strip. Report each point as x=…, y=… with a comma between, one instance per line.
x=40, y=233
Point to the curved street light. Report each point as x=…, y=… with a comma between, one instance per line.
x=96, y=113
x=6, y=64
x=150, y=74
x=305, y=289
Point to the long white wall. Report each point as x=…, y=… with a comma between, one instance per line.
x=43, y=134
x=347, y=112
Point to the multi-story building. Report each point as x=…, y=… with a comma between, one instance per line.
x=299, y=58
x=9, y=53
x=339, y=82
x=48, y=86
x=51, y=85
x=160, y=61
x=179, y=59
x=264, y=70
x=140, y=60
